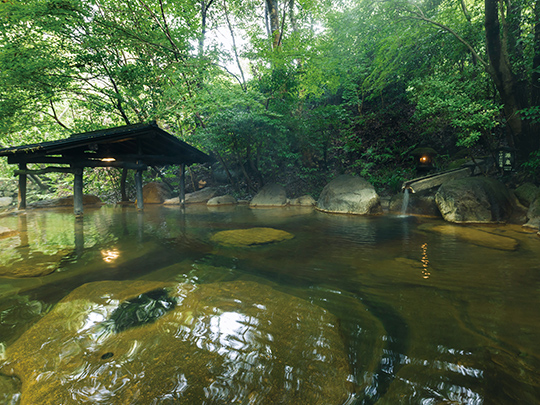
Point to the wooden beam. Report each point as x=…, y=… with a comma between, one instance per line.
x=127, y=165
x=21, y=197
x=53, y=169
x=78, y=191
x=43, y=171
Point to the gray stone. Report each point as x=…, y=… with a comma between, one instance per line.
x=475, y=200
x=88, y=199
x=419, y=204
x=533, y=214
x=271, y=195
x=348, y=194
x=222, y=200
x=5, y=201
x=155, y=193
x=527, y=193
x=305, y=200
x=197, y=197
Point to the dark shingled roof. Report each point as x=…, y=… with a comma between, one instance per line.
x=145, y=143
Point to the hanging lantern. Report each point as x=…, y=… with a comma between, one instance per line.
x=424, y=158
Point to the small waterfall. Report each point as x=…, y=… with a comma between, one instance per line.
x=405, y=203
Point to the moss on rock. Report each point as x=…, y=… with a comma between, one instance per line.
x=250, y=237
x=234, y=342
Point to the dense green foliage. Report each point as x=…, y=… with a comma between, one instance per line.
x=289, y=91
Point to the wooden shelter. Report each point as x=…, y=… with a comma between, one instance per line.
x=131, y=147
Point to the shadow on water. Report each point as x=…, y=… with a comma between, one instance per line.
x=397, y=341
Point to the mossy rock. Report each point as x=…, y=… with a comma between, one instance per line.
x=250, y=237
x=7, y=233
x=33, y=264
x=527, y=193
x=475, y=200
x=234, y=342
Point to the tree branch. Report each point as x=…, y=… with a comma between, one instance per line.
x=55, y=116
x=419, y=15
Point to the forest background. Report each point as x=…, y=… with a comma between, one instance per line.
x=287, y=91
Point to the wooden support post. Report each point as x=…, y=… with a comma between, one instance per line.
x=138, y=187
x=22, y=187
x=79, y=236
x=78, y=191
x=182, y=198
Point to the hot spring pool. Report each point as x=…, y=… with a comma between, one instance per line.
x=362, y=310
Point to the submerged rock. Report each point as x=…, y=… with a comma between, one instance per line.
x=477, y=237
x=349, y=195
x=236, y=342
x=250, y=237
x=6, y=232
x=271, y=195
x=475, y=200
x=9, y=390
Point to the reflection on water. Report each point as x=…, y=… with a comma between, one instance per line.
x=425, y=262
x=110, y=255
x=426, y=317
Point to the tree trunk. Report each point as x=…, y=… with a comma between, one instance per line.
x=273, y=14
x=513, y=91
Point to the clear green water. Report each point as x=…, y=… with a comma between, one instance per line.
x=427, y=318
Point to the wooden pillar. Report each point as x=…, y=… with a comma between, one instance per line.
x=138, y=188
x=78, y=191
x=182, y=197
x=79, y=236
x=22, y=187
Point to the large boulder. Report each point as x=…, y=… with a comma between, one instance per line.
x=527, y=193
x=197, y=197
x=475, y=200
x=155, y=193
x=303, y=201
x=348, y=194
x=5, y=201
x=222, y=200
x=145, y=342
x=533, y=214
x=271, y=195
x=415, y=204
x=88, y=199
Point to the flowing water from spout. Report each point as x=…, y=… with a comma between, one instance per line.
x=405, y=203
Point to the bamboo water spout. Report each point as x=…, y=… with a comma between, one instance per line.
x=434, y=180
